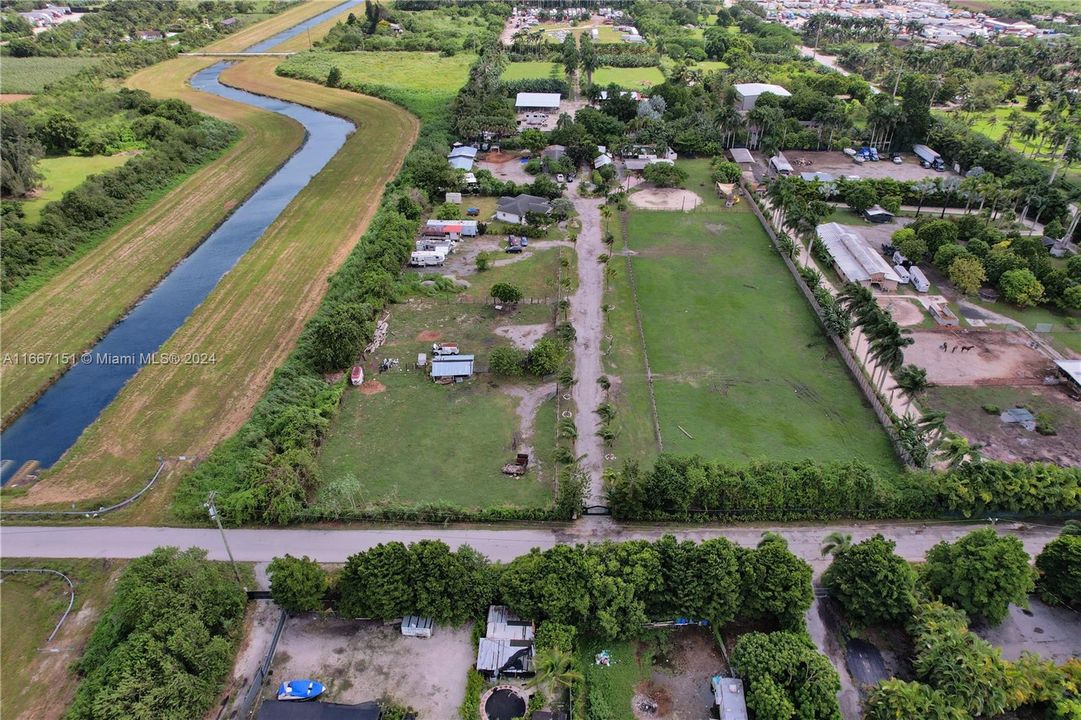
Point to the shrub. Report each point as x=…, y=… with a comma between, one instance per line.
x=545, y=357
x=872, y=583
x=1059, y=568
x=507, y=361
x=665, y=174
x=297, y=584
x=783, y=671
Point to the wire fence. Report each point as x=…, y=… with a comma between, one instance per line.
x=71, y=589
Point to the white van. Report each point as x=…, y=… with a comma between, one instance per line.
x=898, y=258
x=902, y=275
x=426, y=258
x=919, y=280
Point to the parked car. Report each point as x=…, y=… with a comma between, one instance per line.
x=514, y=249
x=888, y=250
x=560, y=178
x=473, y=212
x=896, y=158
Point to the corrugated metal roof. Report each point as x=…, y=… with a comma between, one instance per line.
x=537, y=100
x=452, y=366
x=728, y=694
x=741, y=155
x=461, y=163
x=463, y=151
x=856, y=261
x=755, y=89
x=1071, y=368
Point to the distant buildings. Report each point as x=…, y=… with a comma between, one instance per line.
x=747, y=94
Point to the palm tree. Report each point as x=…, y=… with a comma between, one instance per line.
x=912, y=381
x=836, y=542
x=956, y=450
x=556, y=666
x=933, y=423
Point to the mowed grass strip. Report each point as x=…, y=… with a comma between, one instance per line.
x=32, y=74
x=532, y=69
x=278, y=23
x=81, y=302
x=36, y=682
x=60, y=174
x=739, y=361
x=253, y=317
x=633, y=78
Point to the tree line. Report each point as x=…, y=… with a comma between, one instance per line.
x=685, y=487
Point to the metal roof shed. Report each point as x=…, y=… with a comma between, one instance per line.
x=417, y=626
x=1071, y=370
x=461, y=163
x=546, y=101
x=729, y=697
x=741, y=156
x=452, y=366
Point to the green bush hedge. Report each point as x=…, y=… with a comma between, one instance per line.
x=691, y=488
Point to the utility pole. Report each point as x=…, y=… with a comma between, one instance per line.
x=309, y=38
x=213, y=511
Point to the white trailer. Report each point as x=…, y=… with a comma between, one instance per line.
x=426, y=258
x=919, y=280
x=929, y=158
x=902, y=274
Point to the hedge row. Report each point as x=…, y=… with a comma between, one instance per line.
x=689, y=488
x=626, y=61
x=543, y=85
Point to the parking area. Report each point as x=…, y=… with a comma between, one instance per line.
x=360, y=661
x=837, y=163
x=1052, y=633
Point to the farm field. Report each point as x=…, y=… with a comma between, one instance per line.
x=60, y=174
x=741, y=368
x=109, y=276
x=421, y=81
x=37, y=682
x=32, y=74
x=252, y=317
x=402, y=439
x=532, y=69
x=633, y=78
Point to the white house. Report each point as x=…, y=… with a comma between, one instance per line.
x=747, y=94
x=514, y=209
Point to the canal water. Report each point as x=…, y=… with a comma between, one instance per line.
x=52, y=424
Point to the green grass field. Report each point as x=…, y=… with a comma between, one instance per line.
x=631, y=663
x=421, y=81
x=706, y=66
x=60, y=174
x=532, y=69
x=639, y=78
x=536, y=275
x=739, y=361
x=418, y=442
x=36, y=682
x=32, y=74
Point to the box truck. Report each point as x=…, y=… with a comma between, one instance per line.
x=929, y=158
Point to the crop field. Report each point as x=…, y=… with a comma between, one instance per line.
x=633, y=78
x=422, y=81
x=60, y=174
x=109, y=276
x=37, y=681
x=532, y=69
x=32, y=74
x=402, y=439
x=741, y=368
x=252, y=318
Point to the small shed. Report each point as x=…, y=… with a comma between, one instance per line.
x=780, y=165
x=453, y=367
x=461, y=163
x=741, y=155
x=454, y=197
x=417, y=626
x=1071, y=373
x=877, y=214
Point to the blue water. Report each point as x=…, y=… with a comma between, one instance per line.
x=54, y=422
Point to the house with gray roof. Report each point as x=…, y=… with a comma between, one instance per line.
x=514, y=209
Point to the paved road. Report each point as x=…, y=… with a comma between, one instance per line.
x=829, y=61
x=331, y=545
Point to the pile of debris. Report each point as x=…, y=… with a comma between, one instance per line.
x=380, y=336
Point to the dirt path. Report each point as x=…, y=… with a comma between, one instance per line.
x=828, y=644
x=531, y=399
x=588, y=321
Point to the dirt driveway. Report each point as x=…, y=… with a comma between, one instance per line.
x=679, y=683
x=360, y=661
x=837, y=163
x=996, y=358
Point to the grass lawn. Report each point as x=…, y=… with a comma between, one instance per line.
x=532, y=69
x=32, y=74
x=422, y=81
x=739, y=362
x=631, y=663
x=252, y=318
x=37, y=682
x=637, y=78
x=60, y=174
x=446, y=443
x=706, y=66
x=536, y=275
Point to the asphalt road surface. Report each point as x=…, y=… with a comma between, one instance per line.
x=335, y=545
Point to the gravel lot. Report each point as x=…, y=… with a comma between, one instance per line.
x=1052, y=633
x=837, y=163
x=360, y=661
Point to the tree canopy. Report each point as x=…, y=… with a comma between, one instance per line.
x=872, y=583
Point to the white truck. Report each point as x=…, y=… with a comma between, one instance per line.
x=440, y=349
x=929, y=158
x=426, y=258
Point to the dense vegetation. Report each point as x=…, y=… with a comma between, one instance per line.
x=1059, y=569
x=690, y=487
x=165, y=642
x=420, y=25
x=170, y=137
x=110, y=28
x=787, y=677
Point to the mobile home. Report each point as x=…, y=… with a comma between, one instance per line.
x=919, y=280
x=426, y=258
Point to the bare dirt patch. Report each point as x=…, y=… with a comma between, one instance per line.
x=652, y=198
x=372, y=387
x=994, y=358
x=429, y=336
x=837, y=163
x=679, y=684
x=903, y=312
x=6, y=98
x=512, y=169
x=523, y=336
x=360, y=661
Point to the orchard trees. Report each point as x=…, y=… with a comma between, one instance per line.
x=872, y=583
x=982, y=573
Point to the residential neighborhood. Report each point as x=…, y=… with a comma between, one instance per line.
x=656, y=360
